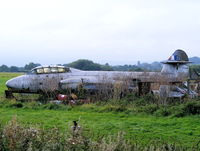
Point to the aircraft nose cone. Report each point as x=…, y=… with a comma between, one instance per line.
x=18, y=83
x=11, y=83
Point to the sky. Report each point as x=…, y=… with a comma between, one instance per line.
x=105, y=31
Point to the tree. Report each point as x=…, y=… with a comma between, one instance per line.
x=84, y=64
x=4, y=68
x=14, y=69
x=106, y=67
x=31, y=65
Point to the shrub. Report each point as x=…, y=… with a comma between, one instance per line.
x=188, y=108
x=163, y=111
x=149, y=109
x=17, y=105
x=140, y=102
x=130, y=97
x=150, y=98
x=192, y=108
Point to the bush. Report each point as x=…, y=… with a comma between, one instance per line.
x=189, y=108
x=140, y=102
x=163, y=111
x=192, y=108
x=150, y=98
x=130, y=97
x=149, y=109
x=17, y=105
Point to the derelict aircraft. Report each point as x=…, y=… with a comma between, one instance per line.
x=44, y=79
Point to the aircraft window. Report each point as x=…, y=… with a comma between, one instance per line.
x=61, y=70
x=67, y=70
x=33, y=71
x=54, y=69
x=47, y=70
x=40, y=70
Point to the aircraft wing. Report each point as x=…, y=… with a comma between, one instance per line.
x=87, y=82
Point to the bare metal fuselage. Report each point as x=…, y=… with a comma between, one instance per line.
x=59, y=78
x=35, y=83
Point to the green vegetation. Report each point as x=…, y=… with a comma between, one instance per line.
x=15, y=136
x=195, y=60
x=100, y=121
x=144, y=122
x=84, y=64
x=195, y=67
x=3, y=78
x=30, y=66
x=27, y=67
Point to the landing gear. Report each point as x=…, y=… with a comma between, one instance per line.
x=9, y=94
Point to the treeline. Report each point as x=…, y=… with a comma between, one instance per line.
x=27, y=67
x=84, y=64
x=155, y=66
x=195, y=60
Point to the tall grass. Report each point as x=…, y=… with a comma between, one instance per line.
x=126, y=105
x=15, y=136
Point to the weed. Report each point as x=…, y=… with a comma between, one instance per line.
x=14, y=136
x=163, y=111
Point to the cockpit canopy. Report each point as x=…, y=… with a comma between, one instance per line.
x=50, y=69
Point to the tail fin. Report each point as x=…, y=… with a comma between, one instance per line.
x=176, y=64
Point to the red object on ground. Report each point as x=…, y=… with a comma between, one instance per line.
x=62, y=97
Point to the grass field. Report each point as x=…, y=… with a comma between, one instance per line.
x=143, y=128
x=97, y=123
x=3, y=78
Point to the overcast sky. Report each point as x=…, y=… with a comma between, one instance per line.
x=113, y=31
